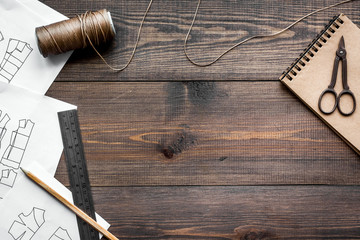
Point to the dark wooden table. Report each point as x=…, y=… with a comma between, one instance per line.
x=177, y=151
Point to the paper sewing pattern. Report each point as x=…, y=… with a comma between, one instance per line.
x=15, y=56
x=3, y=122
x=60, y=234
x=28, y=132
x=21, y=63
x=25, y=227
x=8, y=177
x=30, y=213
x=14, y=153
x=28, y=225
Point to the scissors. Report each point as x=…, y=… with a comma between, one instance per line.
x=340, y=56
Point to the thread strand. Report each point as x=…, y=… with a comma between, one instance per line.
x=93, y=28
x=135, y=46
x=249, y=38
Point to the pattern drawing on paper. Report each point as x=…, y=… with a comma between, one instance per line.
x=15, y=56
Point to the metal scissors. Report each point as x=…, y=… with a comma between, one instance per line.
x=340, y=56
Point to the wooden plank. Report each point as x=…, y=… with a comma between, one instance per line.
x=247, y=212
x=204, y=133
x=220, y=24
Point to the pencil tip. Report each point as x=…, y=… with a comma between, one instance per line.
x=22, y=169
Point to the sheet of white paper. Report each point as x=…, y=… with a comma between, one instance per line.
x=21, y=63
x=42, y=10
x=29, y=129
x=31, y=212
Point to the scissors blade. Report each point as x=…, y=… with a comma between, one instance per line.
x=342, y=43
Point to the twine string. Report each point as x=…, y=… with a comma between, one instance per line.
x=89, y=28
x=135, y=46
x=55, y=44
x=249, y=38
x=93, y=28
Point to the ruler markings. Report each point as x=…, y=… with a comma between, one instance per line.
x=77, y=170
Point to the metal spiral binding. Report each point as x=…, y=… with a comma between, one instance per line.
x=313, y=48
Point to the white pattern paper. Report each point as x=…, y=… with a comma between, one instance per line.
x=29, y=129
x=32, y=213
x=21, y=63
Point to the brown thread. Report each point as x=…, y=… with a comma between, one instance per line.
x=87, y=29
x=78, y=32
x=249, y=38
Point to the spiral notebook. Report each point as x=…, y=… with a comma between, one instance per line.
x=311, y=73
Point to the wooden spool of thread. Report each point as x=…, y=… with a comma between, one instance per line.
x=90, y=28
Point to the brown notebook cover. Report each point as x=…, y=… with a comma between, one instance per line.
x=310, y=75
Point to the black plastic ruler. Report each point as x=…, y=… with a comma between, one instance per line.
x=77, y=170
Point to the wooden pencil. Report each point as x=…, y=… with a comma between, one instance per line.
x=71, y=206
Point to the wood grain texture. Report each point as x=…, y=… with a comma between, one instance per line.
x=237, y=213
x=220, y=24
x=204, y=133
x=172, y=155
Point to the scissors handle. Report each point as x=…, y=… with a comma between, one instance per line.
x=346, y=92
x=332, y=92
